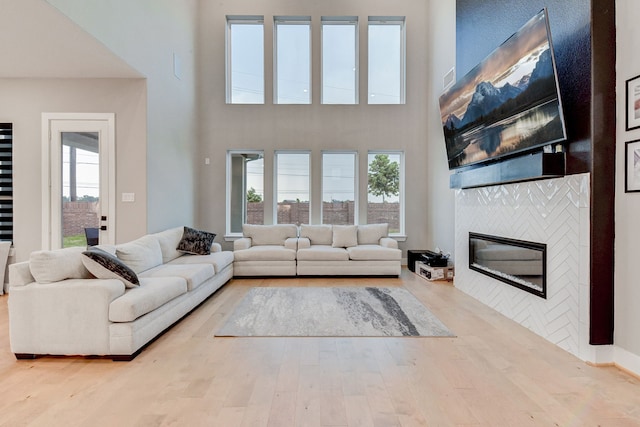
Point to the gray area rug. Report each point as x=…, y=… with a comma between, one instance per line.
x=331, y=312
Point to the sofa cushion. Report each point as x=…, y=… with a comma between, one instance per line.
x=322, y=253
x=103, y=265
x=196, y=242
x=265, y=253
x=168, y=241
x=373, y=253
x=140, y=254
x=219, y=260
x=317, y=234
x=151, y=294
x=57, y=265
x=345, y=236
x=370, y=234
x=269, y=234
x=194, y=274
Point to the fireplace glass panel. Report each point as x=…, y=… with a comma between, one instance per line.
x=519, y=263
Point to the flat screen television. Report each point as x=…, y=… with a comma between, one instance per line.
x=508, y=104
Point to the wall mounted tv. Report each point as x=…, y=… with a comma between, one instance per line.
x=507, y=104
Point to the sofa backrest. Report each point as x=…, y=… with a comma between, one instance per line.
x=140, y=254
x=317, y=234
x=168, y=241
x=58, y=264
x=269, y=234
x=370, y=234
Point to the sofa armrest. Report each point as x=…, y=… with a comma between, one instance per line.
x=304, y=242
x=242, y=243
x=291, y=243
x=20, y=274
x=66, y=317
x=388, y=242
x=216, y=247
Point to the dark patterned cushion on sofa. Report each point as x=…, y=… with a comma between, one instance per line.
x=103, y=265
x=196, y=242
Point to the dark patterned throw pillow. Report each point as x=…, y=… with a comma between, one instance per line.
x=103, y=265
x=196, y=242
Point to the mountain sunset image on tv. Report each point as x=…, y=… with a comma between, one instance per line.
x=509, y=103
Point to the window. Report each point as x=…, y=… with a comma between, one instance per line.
x=385, y=190
x=245, y=189
x=386, y=60
x=340, y=60
x=339, y=186
x=245, y=60
x=292, y=187
x=6, y=181
x=292, y=59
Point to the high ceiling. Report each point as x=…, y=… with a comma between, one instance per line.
x=38, y=41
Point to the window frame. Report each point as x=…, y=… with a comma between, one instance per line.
x=291, y=20
x=401, y=234
x=241, y=20
x=229, y=234
x=355, y=183
x=389, y=20
x=275, y=180
x=343, y=21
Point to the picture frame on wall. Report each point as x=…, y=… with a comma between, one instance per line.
x=632, y=166
x=633, y=103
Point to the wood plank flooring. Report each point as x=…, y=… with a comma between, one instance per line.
x=494, y=373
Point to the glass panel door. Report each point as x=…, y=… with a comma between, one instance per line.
x=80, y=188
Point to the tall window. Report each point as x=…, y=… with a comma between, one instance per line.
x=292, y=60
x=245, y=189
x=385, y=190
x=245, y=60
x=340, y=60
x=386, y=60
x=6, y=181
x=292, y=187
x=339, y=186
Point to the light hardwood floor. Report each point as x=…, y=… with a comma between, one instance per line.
x=494, y=373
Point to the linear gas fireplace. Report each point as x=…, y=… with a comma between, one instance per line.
x=517, y=262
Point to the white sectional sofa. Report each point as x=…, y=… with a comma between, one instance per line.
x=316, y=250
x=70, y=302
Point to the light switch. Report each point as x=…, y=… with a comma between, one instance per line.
x=128, y=197
x=207, y=160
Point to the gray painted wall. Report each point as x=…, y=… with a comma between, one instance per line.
x=411, y=127
x=147, y=34
x=24, y=101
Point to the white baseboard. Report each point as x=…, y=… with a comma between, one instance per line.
x=627, y=361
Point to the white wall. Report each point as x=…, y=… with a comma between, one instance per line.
x=22, y=103
x=318, y=127
x=627, y=283
x=146, y=34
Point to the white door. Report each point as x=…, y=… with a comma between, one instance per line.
x=80, y=172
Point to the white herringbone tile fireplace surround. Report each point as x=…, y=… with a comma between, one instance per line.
x=555, y=212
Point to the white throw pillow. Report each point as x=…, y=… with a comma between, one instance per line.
x=141, y=254
x=370, y=234
x=168, y=241
x=317, y=234
x=345, y=236
x=59, y=264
